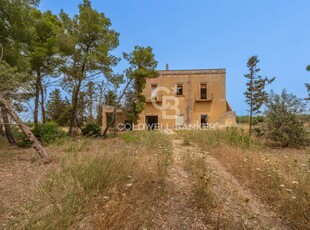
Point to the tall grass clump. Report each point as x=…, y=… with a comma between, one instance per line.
x=109, y=184
x=70, y=187
x=229, y=136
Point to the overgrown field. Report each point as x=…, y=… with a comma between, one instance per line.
x=102, y=184
x=279, y=177
x=118, y=183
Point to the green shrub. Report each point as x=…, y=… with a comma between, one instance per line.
x=91, y=129
x=229, y=136
x=246, y=119
x=259, y=132
x=260, y=119
x=20, y=138
x=238, y=137
x=23, y=141
x=186, y=140
x=254, y=121
x=284, y=125
x=128, y=137
x=243, y=119
x=49, y=132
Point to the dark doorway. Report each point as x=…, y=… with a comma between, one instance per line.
x=151, y=122
x=204, y=120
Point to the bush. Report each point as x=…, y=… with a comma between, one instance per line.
x=285, y=128
x=243, y=119
x=212, y=138
x=91, y=129
x=22, y=141
x=186, y=140
x=260, y=119
x=246, y=119
x=49, y=132
x=239, y=137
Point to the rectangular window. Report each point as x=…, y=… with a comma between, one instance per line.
x=203, y=91
x=179, y=89
x=154, y=92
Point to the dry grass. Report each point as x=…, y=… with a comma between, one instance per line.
x=101, y=184
x=203, y=194
x=280, y=177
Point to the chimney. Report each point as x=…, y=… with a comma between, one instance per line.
x=167, y=67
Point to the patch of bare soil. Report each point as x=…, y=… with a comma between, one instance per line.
x=234, y=202
x=18, y=180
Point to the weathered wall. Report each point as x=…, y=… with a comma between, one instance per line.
x=189, y=104
x=120, y=116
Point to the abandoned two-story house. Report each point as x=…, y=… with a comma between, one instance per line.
x=180, y=98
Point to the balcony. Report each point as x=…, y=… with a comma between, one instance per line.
x=157, y=99
x=210, y=97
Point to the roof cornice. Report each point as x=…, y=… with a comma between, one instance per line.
x=192, y=72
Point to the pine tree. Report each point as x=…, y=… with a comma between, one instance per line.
x=58, y=109
x=255, y=93
x=110, y=98
x=44, y=53
x=88, y=43
x=90, y=99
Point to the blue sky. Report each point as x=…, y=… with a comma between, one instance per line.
x=202, y=34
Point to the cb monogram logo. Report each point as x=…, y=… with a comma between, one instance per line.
x=167, y=103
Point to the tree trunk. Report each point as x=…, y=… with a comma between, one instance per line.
x=75, y=99
x=251, y=107
x=8, y=131
x=43, y=114
x=35, y=143
x=1, y=126
x=105, y=132
x=36, y=100
x=251, y=120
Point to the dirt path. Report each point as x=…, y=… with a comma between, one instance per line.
x=178, y=212
x=234, y=202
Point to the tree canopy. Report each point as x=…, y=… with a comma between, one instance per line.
x=255, y=93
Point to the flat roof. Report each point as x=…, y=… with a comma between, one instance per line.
x=192, y=71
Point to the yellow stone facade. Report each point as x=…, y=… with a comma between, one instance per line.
x=182, y=98
x=178, y=98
